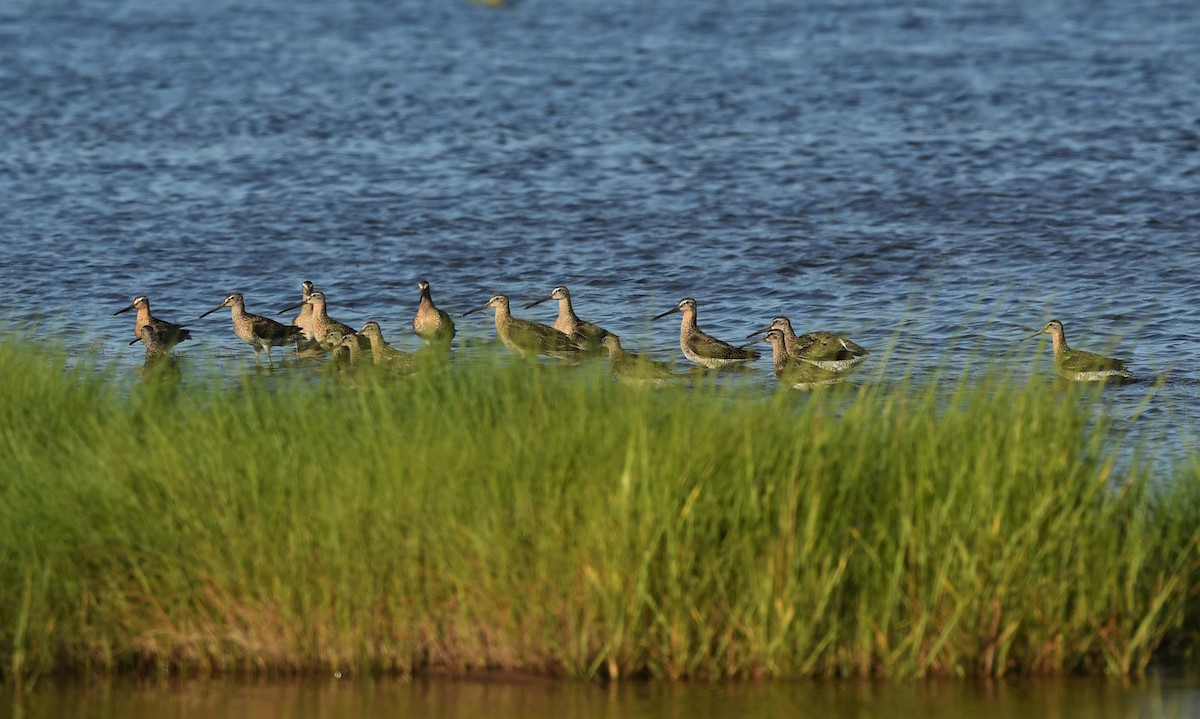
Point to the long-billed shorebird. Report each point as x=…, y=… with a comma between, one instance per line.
x=824, y=349
x=311, y=344
x=157, y=350
x=385, y=355
x=255, y=330
x=304, y=320
x=585, y=334
x=1079, y=365
x=345, y=352
x=430, y=323
x=321, y=321
x=168, y=334
x=331, y=342
x=705, y=349
x=350, y=342
x=634, y=369
x=793, y=372
x=525, y=337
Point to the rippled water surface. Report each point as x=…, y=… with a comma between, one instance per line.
x=943, y=175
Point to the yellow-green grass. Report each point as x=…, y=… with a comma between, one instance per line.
x=506, y=515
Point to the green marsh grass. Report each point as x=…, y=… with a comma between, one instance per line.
x=509, y=516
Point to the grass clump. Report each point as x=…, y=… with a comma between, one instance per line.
x=508, y=515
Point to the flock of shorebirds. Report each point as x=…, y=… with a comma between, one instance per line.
x=800, y=361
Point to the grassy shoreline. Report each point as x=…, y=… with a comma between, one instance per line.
x=507, y=517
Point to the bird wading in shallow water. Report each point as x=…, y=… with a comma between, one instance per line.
x=166, y=333
x=796, y=373
x=304, y=320
x=1078, y=365
x=383, y=354
x=157, y=351
x=704, y=349
x=824, y=349
x=430, y=323
x=634, y=369
x=585, y=334
x=310, y=344
x=525, y=337
x=255, y=330
x=321, y=321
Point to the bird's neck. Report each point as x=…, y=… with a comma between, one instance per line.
x=779, y=356
x=503, y=315
x=1059, y=342
x=688, y=323
x=565, y=311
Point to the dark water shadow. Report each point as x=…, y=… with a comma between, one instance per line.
x=516, y=697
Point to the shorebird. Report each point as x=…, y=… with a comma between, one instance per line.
x=255, y=330
x=304, y=320
x=1079, y=365
x=430, y=323
x=585, y=334
x=705, y=349
x=157, y=350
x=321, y=321
x=345, y=353
x=331, y=342
x=525, y=337
x=168, y=334
x=310, y=345
x=350, y=342
x=634, y=369
x=385, y=355
x=796, y=373
x=824, y=349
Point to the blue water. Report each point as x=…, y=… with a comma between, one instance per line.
x=942, y=175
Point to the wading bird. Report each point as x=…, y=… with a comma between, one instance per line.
x=255, y=330
x=704, y=349
x=1078, y=365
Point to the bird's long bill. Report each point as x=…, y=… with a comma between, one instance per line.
x=218, y=307
x=483, y=306
x=291, y=307
x=538, y=302
x=756, y=333
x=139, y=339
x=668, y=312
x=1035, y=334
x=760, y=340
x=131, y=306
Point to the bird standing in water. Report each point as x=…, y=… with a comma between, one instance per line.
x=1078, y=365
x=704, y=349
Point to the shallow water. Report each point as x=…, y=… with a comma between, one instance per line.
x=938, y=177
x=533, y=699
